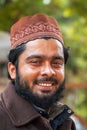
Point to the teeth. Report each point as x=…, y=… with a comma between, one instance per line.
x=45, y=84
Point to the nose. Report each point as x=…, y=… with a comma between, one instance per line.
x=47, y=70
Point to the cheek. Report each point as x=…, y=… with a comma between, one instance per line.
x=60, y=75
x=28, y=74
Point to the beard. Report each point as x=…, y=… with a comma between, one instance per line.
x=23, y=90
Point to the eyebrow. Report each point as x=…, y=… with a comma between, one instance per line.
x=34, y=56
x=41, y=56
x=58, y=57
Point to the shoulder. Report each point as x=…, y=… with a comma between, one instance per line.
x=62, y=118
x=67, y=125
x=3, y=114
x=67, y=114
x=2, y=110
x=70, y=123
x=4, y=119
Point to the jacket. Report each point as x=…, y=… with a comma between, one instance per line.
x=17, y=114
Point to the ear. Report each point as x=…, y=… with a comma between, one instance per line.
x=12, y=70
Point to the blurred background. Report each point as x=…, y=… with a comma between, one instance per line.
x=72, y=17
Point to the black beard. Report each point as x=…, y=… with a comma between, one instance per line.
x=46, y=102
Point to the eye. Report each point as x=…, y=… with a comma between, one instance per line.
x=35, y=62
x=57, y=63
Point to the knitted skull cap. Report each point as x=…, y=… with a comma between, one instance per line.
x=34, y=27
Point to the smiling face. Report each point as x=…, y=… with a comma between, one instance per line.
x=41, y=67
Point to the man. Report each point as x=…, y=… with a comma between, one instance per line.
x=36, y=70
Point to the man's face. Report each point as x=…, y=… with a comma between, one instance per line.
x=41, y=66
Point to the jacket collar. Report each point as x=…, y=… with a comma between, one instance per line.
x=18, y=109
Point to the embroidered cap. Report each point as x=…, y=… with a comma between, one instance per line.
x=33, y=27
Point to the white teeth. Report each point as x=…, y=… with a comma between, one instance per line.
x=45, y=84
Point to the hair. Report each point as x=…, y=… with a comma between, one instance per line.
x=14, y=54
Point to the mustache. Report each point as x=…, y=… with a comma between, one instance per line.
x=50, y=79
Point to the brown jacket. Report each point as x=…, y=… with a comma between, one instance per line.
x=17, y=114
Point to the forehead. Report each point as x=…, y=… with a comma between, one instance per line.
x=44, y=47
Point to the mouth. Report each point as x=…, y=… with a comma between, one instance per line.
x=45, y=84
x=46, y=87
